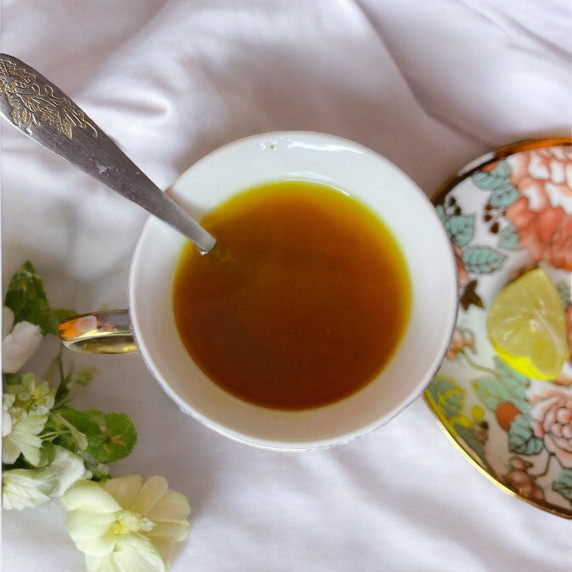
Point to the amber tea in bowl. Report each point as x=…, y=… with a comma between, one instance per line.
x=304, y=301
x=324, y=309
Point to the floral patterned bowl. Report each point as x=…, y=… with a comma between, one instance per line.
x=507, y=213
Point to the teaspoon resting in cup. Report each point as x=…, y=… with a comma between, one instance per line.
x=44, y=113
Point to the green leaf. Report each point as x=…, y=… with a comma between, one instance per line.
x=447, y=395
x=48, y=453
x=61, y=314
x=83, y=376
x=461, y=229
x=504, y=195
x=106, y=437
x=563, y=484
x=508, y=238
x=482, y=259
x=12, y=378
x=26, y=297
x=521, y=438
x=117, y=437
x=78, y=428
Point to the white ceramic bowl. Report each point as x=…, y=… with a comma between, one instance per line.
x=375, y=182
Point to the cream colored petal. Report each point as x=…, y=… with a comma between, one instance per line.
x=151, y=492
x=25, y=436
x=170, y=531
x=68, y=469
x=25, y=488
x=124, y=489
x=90, y=496
x=132, y=554
x=10, y=451
x=89, y=531
x=172, y=506
x=93, y=563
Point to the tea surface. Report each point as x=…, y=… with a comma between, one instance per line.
x=302, y=303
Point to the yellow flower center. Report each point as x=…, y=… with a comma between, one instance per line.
x=128, y=521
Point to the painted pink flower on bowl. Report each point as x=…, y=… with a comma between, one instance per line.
x=461, y=339
x=551, y=418
x=542, y=215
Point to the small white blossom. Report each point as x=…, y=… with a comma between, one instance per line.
x=7, y=403
x=19, y=342
x=25, y=411
x=32, y=395
x=28, y=488
x=23, y=437
x=126, y=524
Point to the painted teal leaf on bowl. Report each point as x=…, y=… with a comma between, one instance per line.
x=489, y=180
x=563, y=484
x=482, y=259
x=474, y=444
x=506, y=385
x=447, y=395
x=508, y=238
x=521, y=438
x=497, y=180
x=517, y=381
x=504, y=195
x=440, y=213
x=490, y=392
x=564, y=293
x=461, y=229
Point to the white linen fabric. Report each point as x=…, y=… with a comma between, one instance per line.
x=430, y=85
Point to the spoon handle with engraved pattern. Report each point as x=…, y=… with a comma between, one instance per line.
x=44, y=113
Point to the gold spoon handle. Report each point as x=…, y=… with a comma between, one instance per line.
x=106, y=332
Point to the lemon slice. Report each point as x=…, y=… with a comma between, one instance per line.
x=526, y=325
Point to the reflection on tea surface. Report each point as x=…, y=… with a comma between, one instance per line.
x=304, y=301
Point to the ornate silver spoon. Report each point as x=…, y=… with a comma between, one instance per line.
x=44, y=113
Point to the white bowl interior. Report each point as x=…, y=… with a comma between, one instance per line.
x=367, y=177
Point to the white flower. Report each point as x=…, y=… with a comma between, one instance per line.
x=19, y=342
x=28, y=488
x=25, y=411
x=126, y=525
x=23, y=436
x=24, y=488
x=32, y=395
x=7, y=403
